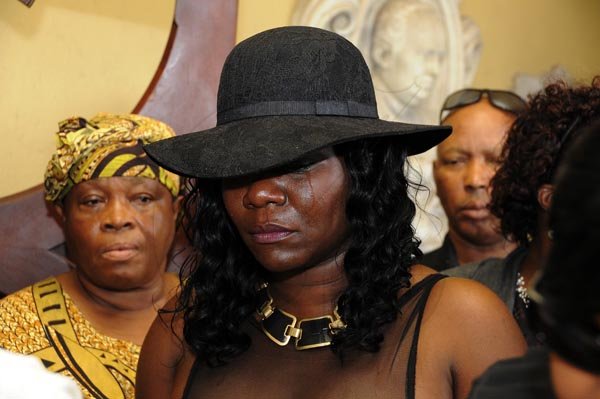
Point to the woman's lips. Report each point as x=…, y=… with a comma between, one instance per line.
x=119, y=252
x=268, y=234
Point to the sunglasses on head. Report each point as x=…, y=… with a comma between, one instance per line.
x=501, y=99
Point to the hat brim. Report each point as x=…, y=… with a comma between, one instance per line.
x=254, y=145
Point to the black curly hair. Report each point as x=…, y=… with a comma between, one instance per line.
x=566, y=297
x=531, y=152
x=219, y=287
x=570, y=279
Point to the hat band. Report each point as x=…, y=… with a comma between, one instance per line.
x=273, y=108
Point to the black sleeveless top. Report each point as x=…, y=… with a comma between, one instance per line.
x=270, y=371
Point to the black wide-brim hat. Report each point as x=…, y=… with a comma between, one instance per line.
x=284, y=93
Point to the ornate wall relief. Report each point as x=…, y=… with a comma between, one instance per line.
x=419, y=51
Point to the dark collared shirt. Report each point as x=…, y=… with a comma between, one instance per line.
x=442, y=258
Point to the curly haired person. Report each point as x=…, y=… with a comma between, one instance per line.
x=565, y=296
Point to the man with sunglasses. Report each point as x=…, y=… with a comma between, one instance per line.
x=523, y=190
x=466, y=162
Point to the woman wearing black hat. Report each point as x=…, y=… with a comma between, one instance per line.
x=306, y=286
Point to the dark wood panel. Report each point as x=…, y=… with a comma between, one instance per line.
x=28, y=232
x=185, y=94
x=27, y=220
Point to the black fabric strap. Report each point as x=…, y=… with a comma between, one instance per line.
x=272, y=108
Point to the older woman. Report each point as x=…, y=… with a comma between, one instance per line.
x=522, y=190
x=118, y=211
x=306, y=285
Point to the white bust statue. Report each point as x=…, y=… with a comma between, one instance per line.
x=406, y=60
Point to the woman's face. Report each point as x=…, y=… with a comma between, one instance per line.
x=292, y=219
x=119, y=230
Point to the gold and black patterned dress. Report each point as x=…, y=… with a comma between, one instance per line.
x=41, y=320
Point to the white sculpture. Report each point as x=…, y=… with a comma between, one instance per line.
x=419, y=51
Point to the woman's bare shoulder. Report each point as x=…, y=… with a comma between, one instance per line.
x=462, y=302
x=471, y=325
x=461, y=295
x=465, y=296
x=165, y=357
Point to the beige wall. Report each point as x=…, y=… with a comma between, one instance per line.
x=533, y=35
x=257, y=15
x=519, y=35
x=64, y=57
x=61, y=58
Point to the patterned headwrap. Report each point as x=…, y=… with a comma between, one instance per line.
x=107, y=145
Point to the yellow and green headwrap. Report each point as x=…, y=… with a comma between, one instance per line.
x=107, y=145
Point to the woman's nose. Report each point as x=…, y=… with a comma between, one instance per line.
x=117, y=215
x=263, y=192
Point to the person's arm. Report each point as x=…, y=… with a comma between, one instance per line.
x=163, y=357
x=473, y=327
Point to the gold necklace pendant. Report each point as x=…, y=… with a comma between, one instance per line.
x=280, y=326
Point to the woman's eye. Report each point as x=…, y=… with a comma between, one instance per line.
x=91, y=201
x=300, y=167
x=144, y=199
